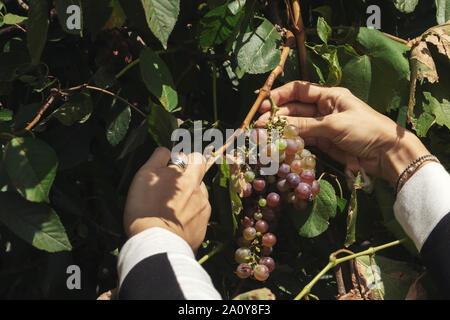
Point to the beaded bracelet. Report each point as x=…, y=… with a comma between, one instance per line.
x=412, y=168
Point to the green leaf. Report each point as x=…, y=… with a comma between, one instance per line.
x=77, y=109
x=350, y=236
x=158, y=79
x=6, y=115
x=161, y=125
x=424, y=123
x=161, y=17
x=329, y=55
x=37, y=28
x=392, y=278
x=236, y=6
x=217, y=26
x=10, y=18
x=118, y=127
x=258, y=52
x=341, y=203
x=357, y=76
x=389, y=78
x=406, y=6
x=36, y=223
x=443, y=11
x=323, y=30
x=440, y=109
x=31, y=165
x=61, y=10
x=317, y=216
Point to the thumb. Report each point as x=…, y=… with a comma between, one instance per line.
x=313, y=127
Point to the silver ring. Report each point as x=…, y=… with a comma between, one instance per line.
x=178, y=162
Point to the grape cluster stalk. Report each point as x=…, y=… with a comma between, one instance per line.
x=263, y=195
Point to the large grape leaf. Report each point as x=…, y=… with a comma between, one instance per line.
x=406, y=6
x=385, y=82
x=36, y=223
x=31, y=165
x=37, y=28
x=443, y=11
x=388, y=279
x=323, y=208
x=217, y=25
x=257, y=51
x=158, y=79
x=161, y=17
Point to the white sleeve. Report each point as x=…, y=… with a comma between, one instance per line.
x=423, y=201
x=192, y=279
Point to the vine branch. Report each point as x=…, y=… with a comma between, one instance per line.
x=295, y=14
x=333, y=261
x=264, y=93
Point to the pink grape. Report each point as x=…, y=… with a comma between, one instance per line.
x=261, y=272
x=297, y=166
x=292, y=180
x=243, y=271
x=303, y=191
x=273, y=199
x=308, y=176
x=247, y=222
x=283, y=170
x=268, y=262
x=259, y=184
x=241, y=242
x=315, y=188
x=247, y=190
x=249, y=233
x=262, y=226
x=291, y=147
x=269, y=240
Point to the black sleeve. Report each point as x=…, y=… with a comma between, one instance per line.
x=151, y=279
x=435, y=255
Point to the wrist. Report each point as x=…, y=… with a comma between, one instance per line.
x=406, y=149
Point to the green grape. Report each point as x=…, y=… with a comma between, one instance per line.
x=262, y=202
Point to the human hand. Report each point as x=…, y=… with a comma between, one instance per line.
x=169, y=197
x=341, y=125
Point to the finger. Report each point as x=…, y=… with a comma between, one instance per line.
x=176, y=156
x=196, y=168
x=290, y=109
x=322, y=127
x=159, y=158
x=204, y=190
x=325, y=145
x=300, y=91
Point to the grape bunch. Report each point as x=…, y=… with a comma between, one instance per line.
x=263, y=195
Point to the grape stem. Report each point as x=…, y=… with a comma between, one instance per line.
x=264, y=93
x=217, y=249
x=333, y=261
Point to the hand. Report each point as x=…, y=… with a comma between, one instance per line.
x=169, y=197
x=341, y=125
